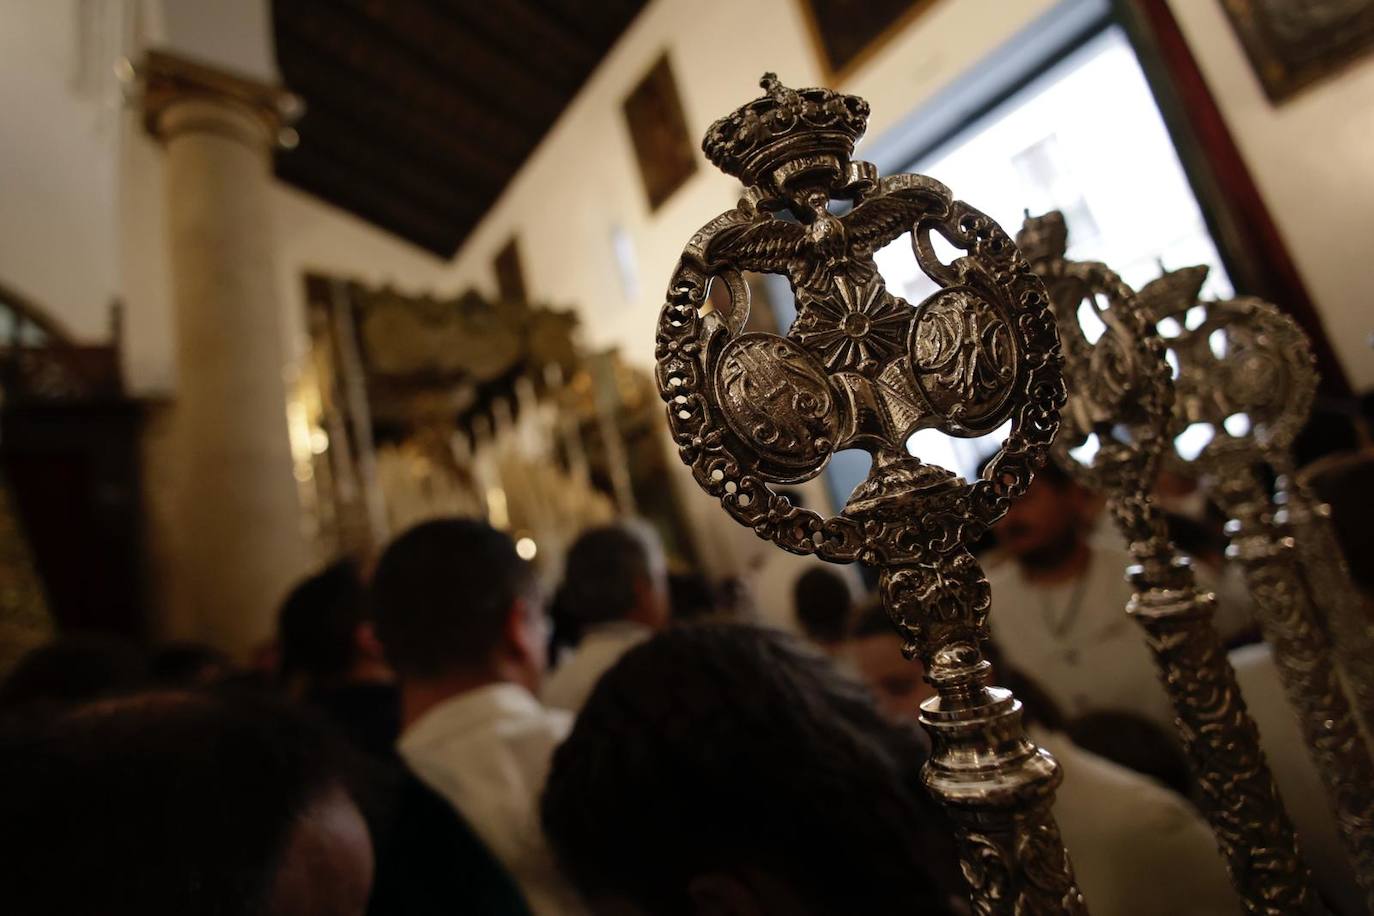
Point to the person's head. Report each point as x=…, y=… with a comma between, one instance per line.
x=324, y=636
x=165, y=804
x=730, y=769
x=82, y=666
x=1045, y=526
x=692, y=597
x=616, y=572
x=876, y=650
x=823, y=606
x=453, y=601
x=188, y=664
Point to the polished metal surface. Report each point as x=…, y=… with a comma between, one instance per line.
x=1242, y=358
x=861, y=368
x=1121, y=394
x=1344, y=611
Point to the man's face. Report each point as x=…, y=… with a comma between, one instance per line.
x=1042, y=520
x=897, y=683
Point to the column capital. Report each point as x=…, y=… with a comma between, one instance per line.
x=256, y=111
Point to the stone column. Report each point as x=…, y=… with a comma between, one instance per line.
x=236, y=541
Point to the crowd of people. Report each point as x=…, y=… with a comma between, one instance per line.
x=440, y=734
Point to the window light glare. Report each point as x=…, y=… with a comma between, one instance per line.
x=1218, y=343
x=933, y=447
x=1190, y=443
x=1090, y=322
x=1085, y=453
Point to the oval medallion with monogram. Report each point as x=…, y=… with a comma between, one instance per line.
x=963, y=358
x=775, y=397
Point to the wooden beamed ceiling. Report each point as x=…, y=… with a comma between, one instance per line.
x=419, y=112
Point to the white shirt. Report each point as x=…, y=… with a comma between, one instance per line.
x=602, y=645
x=487, y=752
x=1075, y=640
x=1137, y=848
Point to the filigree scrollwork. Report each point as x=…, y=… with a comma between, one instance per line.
x=1244, y=359
x=1120, y=392
x=862, y=368
x=1344, y=612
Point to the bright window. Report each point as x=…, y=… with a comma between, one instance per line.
x=1086, y=138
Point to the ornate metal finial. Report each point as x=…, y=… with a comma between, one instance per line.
x=787, y=135
x=1173, y=292
x=862, y=368
x=1043, y=237
x=1245, y=360
x=1246, y=378
x=1120, y=397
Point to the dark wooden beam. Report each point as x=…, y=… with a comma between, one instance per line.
x=387, y=68
x=352, y=110
x=439, y=191
x=525, y=33
x=419, y=112
x=501, y=82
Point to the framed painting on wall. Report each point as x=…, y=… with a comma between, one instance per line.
x=1293, y=43
x=846, y=32
x=658, y=132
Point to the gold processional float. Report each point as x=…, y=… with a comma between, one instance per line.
x=861, y=368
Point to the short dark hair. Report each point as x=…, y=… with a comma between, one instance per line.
x=873, y=620
x=720, y=747
x=73, y=668
x=692, y=596
x=442, y=593
x=188, y=664
x=823, y=603
x=602, y=567
x=318, y=623
x=155, y=804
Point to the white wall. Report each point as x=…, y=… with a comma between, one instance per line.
x=1313, y=160
x=58, y=148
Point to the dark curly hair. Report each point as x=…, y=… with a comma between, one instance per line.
x=729, y=748
x=156, y=804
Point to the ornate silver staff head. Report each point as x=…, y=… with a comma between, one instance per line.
x=1117, y=422
x=1120, y=400
x=862, y=368
x=859, y=367
x=1245, y=370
